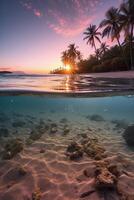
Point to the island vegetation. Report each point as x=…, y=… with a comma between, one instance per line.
x=118, y=26
x=5, y=72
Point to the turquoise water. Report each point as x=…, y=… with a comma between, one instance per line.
x=114, y=113
x=41, y=117
x=117, y=107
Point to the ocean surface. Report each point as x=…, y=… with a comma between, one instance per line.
x=95, y=107
x=65, y=83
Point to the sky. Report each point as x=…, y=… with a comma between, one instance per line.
x=33, y=33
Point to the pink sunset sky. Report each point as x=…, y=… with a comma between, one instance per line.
x=35, y=32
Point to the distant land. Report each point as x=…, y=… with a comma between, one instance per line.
x=12, y=72
x=5, y=72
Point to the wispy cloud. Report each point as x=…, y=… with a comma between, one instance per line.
x=65, y=17
x=72, y=17
x=67, y=29
x=4, y=68
x=37, y=12
x=30, y=6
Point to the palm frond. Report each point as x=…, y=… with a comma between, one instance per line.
x=106, y=31
x=98, y=39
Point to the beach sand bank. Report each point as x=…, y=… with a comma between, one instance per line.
x=123, y=74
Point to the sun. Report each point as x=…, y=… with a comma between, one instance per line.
x=68, y=67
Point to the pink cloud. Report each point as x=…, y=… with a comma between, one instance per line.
x=64, y=28
x=37, y=13
x=67, y=18
x=30, y=6
x=68, y=26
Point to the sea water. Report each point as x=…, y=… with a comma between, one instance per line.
x=65, y=114
x=105, y=115
x=32, y=98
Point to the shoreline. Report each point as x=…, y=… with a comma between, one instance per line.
x=120, y=74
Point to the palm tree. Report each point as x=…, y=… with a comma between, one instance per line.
x=127, y=41
x=65, y=58
x=92, y=35
x=98, y=54
x=127, y=24
x=112, y=27
x=74, y=55
x=103, y=48
x=71, y=56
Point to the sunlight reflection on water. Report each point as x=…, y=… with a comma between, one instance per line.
x=64, y=83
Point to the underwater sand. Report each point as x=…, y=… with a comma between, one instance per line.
x=47, y=170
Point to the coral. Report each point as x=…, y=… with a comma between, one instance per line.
x=34, y=135
x=76, y=155
x=66, y=130
x=37, y=132
x=53, y=128
x=120, y=124
x=74, y=151
x=104, y=179
x=63, y=120
x=105, y=182
x=36, y=195
x=41, y=127
x=12, y=148
x=74, y=146
x=114, y=170
x=95, y=117
x=92, y=148
x=89, y=146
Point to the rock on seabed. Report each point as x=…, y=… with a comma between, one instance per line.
x=129, y=135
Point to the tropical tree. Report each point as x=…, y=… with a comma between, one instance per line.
x=98, y=54
x=127, y=41
x=73, y=53
x=65, y=58
x=71, y=56
x=127, y=24
x=103, y=48
x=92, y=35
x=114, y=51
x=112, y=27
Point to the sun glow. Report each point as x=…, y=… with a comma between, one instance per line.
x=68, y=67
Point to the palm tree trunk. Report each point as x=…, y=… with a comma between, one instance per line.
x=119, y=43
x=131, y=48
x=95, y=50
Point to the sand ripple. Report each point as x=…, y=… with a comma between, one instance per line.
x=56, y=176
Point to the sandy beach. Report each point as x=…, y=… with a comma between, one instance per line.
x=123, y=74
